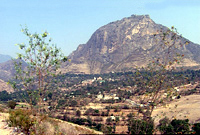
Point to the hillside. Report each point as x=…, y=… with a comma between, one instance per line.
x=5, y=86
x=7, y=69
x=187, y=108
x=65, y=127
x=7, y=72
x=124, y=45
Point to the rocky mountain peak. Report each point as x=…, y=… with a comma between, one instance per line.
x=118, y=46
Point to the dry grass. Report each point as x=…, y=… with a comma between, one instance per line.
x=67, y=128
x=45, y=128
x=187, y=107
x=49, y=126
x=53, y=126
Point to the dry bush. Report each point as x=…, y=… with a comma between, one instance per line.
x=43, y=125
x=45, y=128
x=67, y=129
x=22, y=119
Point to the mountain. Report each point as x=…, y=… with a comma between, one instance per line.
x=123, y=45
x=7, y=69
x=7, y=72
x=5, y=86
x=4, y=58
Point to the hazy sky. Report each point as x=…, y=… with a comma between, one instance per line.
x=72, y=22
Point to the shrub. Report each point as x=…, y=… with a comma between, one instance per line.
x=103, y=114
x=107, y=129
x=21, y=118
x=174, y=127
x=130, y=116
x=98, y=127
x=89, y=121
x=89, y=111
x=108, y=120
x=61, y=103
x=96, y=113
x=73, y=103
x=140, y=126
x=125, y=107
x=78, y=113
x=196, y=128
x=45, y=128
x=180, y=126
x=163, y=125
x=12, y=104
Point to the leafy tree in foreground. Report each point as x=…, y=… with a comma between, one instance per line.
x=43, y=60
x=157, y=79
x=155, y=83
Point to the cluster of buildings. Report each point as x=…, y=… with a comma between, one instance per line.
x=90, y=81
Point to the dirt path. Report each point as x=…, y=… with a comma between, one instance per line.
x=4, y=129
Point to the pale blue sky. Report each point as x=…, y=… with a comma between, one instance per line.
x=72, y=22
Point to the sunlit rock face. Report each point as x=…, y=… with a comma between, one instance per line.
x=124, y=45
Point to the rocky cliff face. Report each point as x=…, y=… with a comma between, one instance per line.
x=122, y=46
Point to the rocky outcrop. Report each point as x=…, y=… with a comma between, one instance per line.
x=122, y=46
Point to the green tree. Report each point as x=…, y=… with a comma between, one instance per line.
x=140, y=126
x=157, y=78
x=180, y=126
x=174, y=127
x=109, y=120
x=73, y=103
x=163, y=125
x=117, y=119
x=196, y=128
x=78, y=113
x=5, y=96
x=155, y=82
x=12, y=104
x=43, y=61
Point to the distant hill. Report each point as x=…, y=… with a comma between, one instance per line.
x=7, y=69
x=7, y=72
x=124, y=45
x=4, y=58
x=5, y=86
